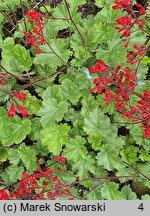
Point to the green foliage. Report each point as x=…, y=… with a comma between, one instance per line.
x=3, y=155
x=128, y=194
x=6, y=4
x=97, y=123
x=15, y=57
x=108, y=158
x=84, y=166
x=111, y=50
x=110, y=191
x=53, y=107
x=13, y=131
x=75, y=149
x=54, y=54
x=28, y=157
x=55, y=136
x=64, y=118
x=70, y=91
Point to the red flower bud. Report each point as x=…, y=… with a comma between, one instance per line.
x=23, y=111
x=21, y=96
x=12, y=111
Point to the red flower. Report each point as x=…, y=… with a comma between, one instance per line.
x=34, y=15
x=12, y=111
x=125, y=4
x=100, y=67
x=53, y=178
x=67, y=191
x=3, y=195
x=21, y=96
x=126, y=33
x=42, y=40
x=146, y=132
x=60, y=159
x=45, y=183
x=27, y=34
x=23, y=111
x=36, y=31
x=59, y=168
x=97, y=80
x=142, y=9
x=31, y=41
x=38, y=51
x=63, y=160
x=100, y=89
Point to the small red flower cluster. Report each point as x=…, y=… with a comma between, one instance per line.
x=13, y=111
x=60, y=159
x=123, y=4
x=35, y=38
x=29, y=184
x=125, y=82
x=137, y=56
x=129, y=20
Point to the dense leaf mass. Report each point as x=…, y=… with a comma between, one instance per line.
x=74, y=100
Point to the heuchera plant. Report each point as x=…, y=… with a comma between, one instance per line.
x=126, y=79
x=66, y=94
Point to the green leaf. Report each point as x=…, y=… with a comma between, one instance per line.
x=94, y=195
x=97, y=123
x=14, y=173
x=4, y=123
x=21, y=27
x=70, y=91
x=15, y=57
x=78, y=128
x=144, y=168
x=110, y=51
x=4, y=5
x=14, y=156
x=129, y=154
x=110, y=191
x=4, y=96
x=61, y=10
x=145, y=197
x=18, y=129
x=84, y=166
x=54, y=107
x=91, y=39
x=75, y=149
x=102, y=3
x=55, y=136
x=3, y=155
x=52, y=27
x=46, y=8
x=36, y=127
x=108, y=158
x=137, y=132
x=55, y=56
x=32, y=104
x=128, y=194
x=144, y=155
x=88, y=105
x=145, y=60
x=96, y=141
x=66, y=177
x=28, y=157
x=125, y=171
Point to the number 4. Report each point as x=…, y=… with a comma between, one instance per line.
x=141, y=207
